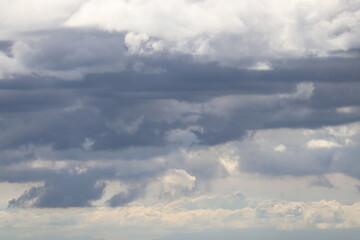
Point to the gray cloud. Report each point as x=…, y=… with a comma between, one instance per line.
x=123, y=198
x=321, y=181
x=268, y=234
x=5, y=47
x=62, y=190
x=69, y=54
x=26, y=198
x=113, y=104
x=127, y=108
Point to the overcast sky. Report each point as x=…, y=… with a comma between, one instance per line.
x=179, y=119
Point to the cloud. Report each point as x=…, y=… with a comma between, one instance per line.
x=280, y=148
x=19, y=16
x=139, y=119
x=146, y=118
x=257, y=32
x=248, y=35
x=9, y=66
x=271, y=234
x=262, y=152
x=178, y=182
x=321, y=143
x=123, y=198
x=321, y=181
x=157, y=97
x=169, y=122
x=67, y=190
x=205, y=213
x=66, y=54
x=26, y=199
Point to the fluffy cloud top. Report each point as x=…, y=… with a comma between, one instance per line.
x=245, y=34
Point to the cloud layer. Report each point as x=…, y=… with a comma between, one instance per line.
x=144, y=113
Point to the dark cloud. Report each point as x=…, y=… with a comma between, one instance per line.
x=8, y=157
x=123, y=198
x=5, y=47
x=346, y=161
x=120, y=103
x=25, y=199
x=105, y=107
x=12, y=101
x=76, y=186
x=60, y=129
x=63, y=190
x=24, y=174
x=336, y=94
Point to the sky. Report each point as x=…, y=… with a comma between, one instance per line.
x=179, y=119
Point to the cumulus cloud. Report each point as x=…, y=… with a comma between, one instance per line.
x=163, y=98
x=249, y=35
x=178, y=182
x=19, y=16
x=65, y=54
x=321, y=143
x=261, y=31
x=153, y=117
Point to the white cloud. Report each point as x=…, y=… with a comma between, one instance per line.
x=177, y=182
x=158, y=18
x=87, y=144
x=348, y=110
x=187, y=214
x=280, y=148
x=230, y=164
x=141, y=44
x=18, y=16
x=266, y=213
x=242, y=34
x=234, y=32
x=261, y=66
x=322, y=143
